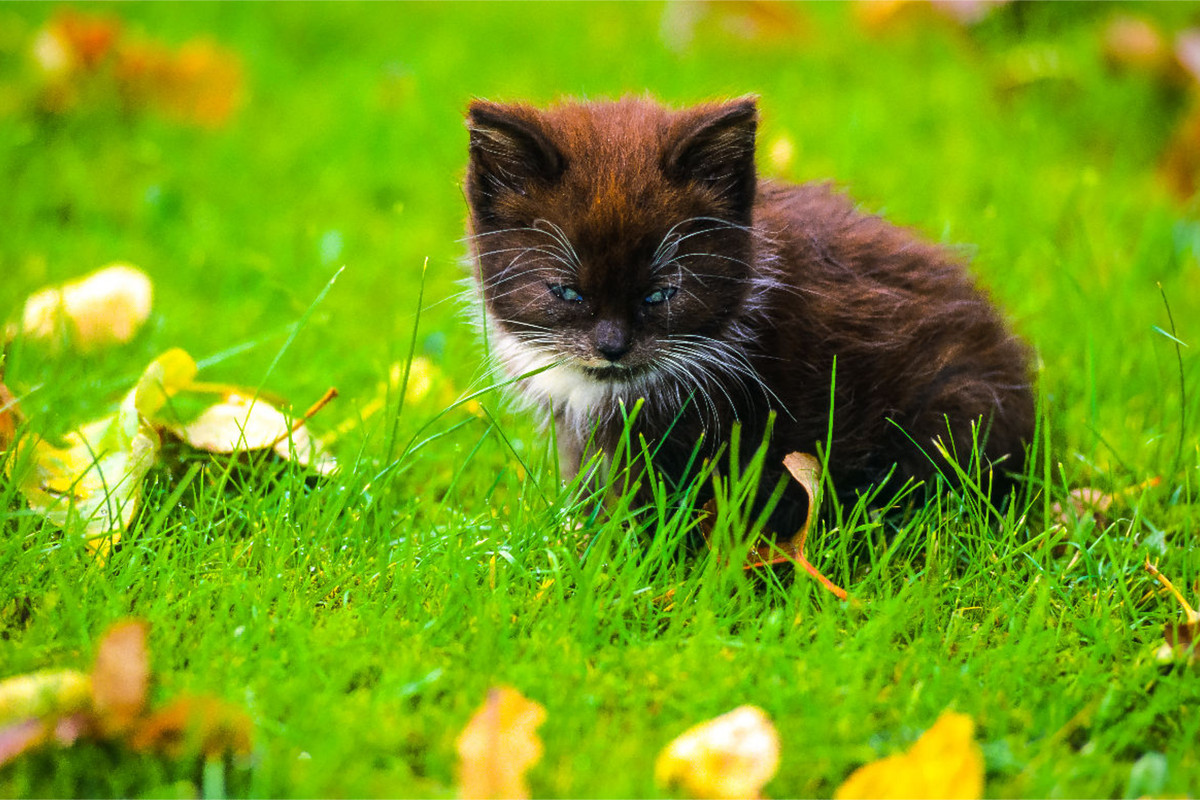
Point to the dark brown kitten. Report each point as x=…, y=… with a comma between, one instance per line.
x=630, y=251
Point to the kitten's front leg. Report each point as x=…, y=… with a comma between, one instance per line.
x=574, y=452
x=570, y=450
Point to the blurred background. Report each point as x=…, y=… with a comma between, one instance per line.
x=242, y=154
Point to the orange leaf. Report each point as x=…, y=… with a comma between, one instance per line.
x=10, y=416
x=499, y=745
x=195, y=723
x=734, y=755
x=945, y=762
x=121, y=676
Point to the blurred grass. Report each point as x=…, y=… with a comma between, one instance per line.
x=361, y=621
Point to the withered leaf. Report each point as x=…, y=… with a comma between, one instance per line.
x=195, y=724
x=1180, y=636
x=46, y=693
x=96, y=479
x=10, y=417
x=121, y=676
x=41, y=707
x=734, y=755
x=499, y=745
x=106, y=307
x=240, y=423
x=945, y=762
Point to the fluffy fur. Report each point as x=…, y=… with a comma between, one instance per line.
x=630, y=251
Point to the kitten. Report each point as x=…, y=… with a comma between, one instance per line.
x=630, y=251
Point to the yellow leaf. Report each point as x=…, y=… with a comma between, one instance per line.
x=499, y=745
x=733, y=755
x=944, y=763
x=239, y=424
x=236, y=424
x=46, y=693
x=96, y=479
x=106, y=307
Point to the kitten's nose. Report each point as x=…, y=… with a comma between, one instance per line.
x=612, y=339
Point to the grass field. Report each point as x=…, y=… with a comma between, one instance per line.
x=360, y=620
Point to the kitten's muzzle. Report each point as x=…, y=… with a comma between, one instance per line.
x=612, y=339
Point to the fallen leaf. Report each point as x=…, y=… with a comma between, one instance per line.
x=1087, y=501
x=240, y=424
x=10, y=417
x=879, y=16
x=121, y=677
x=945, y=762
x=203, y=84
x=106, y=307
x=1135, y=43
x=195, y=723
x=780, y=154
x=1181, y=637
x=806, y=470
x=95, y=480
x=47, y=693
x=734, y=755
x=40, y=707
x=499, y=745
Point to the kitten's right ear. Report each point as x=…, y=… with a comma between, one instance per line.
x=508, y=151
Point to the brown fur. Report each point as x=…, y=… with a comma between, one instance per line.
x=775, y=279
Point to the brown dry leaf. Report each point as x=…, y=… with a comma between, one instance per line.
x=194, y=723
x=499, y=745
x=121, y=677
x=806, y=469
x=1181, y=637
x=734, y=755
x=203, y=84
x=879, y=16
x=1137, y=44
x=1087, y=501
x=945, y=762
x=104, y=308
x=10, y=417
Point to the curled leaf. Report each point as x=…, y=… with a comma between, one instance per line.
x=734, y=755
x=241, y=424
x=106, y=307
x=499, y=745
x=1181, y=637
x=95, y=480
x=945, y=762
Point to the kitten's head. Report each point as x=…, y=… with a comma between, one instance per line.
x=610, y=238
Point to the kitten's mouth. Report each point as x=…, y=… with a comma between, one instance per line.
x=615, y=374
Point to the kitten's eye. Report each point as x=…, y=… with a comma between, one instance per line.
x=660, y=296
x=565, y=293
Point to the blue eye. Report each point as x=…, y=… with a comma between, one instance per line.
x=660, y=296
x=565, y=293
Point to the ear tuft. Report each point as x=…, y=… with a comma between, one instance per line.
x=714, y=146
x=508, y=152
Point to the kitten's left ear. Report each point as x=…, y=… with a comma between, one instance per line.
x=714, y=146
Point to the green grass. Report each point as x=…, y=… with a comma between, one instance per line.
x=361, y=620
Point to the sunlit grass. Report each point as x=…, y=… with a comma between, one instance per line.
x=361, y=620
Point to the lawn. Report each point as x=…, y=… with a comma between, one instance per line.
x=313, y=238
